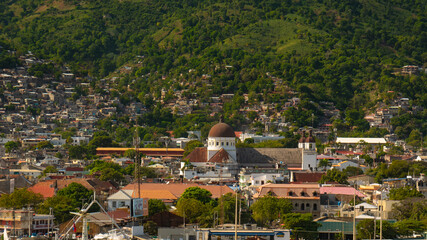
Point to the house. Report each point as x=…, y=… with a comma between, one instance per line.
x=344, y=164
x=24, y=221
x=49, y=188
x=306, y=177
x=305, y=198
x=216, y=161
x=29, y=172
x=350, y=142
x=177, y=189
x=254, y=177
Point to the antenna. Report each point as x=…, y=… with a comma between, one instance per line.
x=83, y=214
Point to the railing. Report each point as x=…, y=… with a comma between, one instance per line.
x=41, y=226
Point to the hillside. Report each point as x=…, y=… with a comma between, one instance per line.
x=344, y=52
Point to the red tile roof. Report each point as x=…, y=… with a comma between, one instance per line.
x=307, y=177
x=341, y=191
x=177, y=189
x=221, y=156
x=47, y=187
x=198, y=155
x=44, y=188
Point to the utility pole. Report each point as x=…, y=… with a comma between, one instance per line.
x=354, y=213
x=14, y=229
x=48, y=222
x=235, y=218
x=381, y=222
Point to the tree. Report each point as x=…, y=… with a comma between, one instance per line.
x=403, y=193
x=151, y=228
x=227, y=203
x=111, y=174
x=61, y=205
x=12, y=145
x=203, y=195
x=77, y=193
x=49, y=169
x=302, y=225
x=102, y=141
x=410, y=208
x=130, y=153
x=191, y=145
x=324, y=163
x=407, y=227
x=76, y=152
x=191, y=209
x=156, y=206
x=44, y=145
x=334, y=175
x=365, y=229
x=269, y=208
x=20, y=198
x=352, y=171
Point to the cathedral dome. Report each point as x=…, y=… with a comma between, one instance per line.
x=221, y=130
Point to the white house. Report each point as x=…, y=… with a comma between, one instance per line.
x=120, y=199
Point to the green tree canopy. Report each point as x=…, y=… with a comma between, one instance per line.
x=410, y=208
x=12, y=145
x=49, y=169
x=77, y=193
x=44, y=144
x=191, y=145
x=269, y=208
x=302, y=225
x=334, y=175
x=403, y=193
x=365, y=230
x=352, y=171
x=203, y=195
x=61, y=205
x=191, y=208
x=20, y=198
x=407, y=227
x=156, y=206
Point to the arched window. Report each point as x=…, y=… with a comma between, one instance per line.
x=315, y=206
x=222, y=143
x=303, y=193
x=314, y=194
x=290, y=193
x=226, y=143
x=307, y=205
x=217, y=143
x=302, y=206
x=296, y=205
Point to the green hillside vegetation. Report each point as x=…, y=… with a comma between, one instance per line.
x=345, y=52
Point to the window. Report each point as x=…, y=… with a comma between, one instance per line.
x=222, y=143
x=302, y=206
x=226, y=143
x=217, y=143
x=314, y=206
x=303, y=194
x=114, y=204
x=307, y=205
x=314, y=194
x=122, y=204
x=290, y=193
x=296, y=204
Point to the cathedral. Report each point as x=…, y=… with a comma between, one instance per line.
x=220, y=160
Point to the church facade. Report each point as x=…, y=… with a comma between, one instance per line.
x=220, y=160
